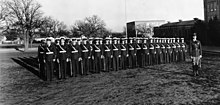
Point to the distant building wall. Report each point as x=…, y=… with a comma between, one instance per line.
x=211, y=9
x=184, y=29
x=143, y=28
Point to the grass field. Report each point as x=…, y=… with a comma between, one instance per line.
x=170, y=84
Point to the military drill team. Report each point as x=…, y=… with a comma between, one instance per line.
x=83, y=56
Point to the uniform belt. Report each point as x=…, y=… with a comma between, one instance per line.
x=41, y=52
x=145, y=48
x=107, y=50
x=74, y=51
x=97, y=51
x=115, y=49
x=85, y=51
x=131, y=48
x=151, y=48
x=123, y=49
x=49, y=53
x=138, y=48
x=62, y=51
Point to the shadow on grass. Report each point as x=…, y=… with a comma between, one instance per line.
x=16, y=48
x=23, y=62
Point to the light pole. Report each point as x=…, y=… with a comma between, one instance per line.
x=126, y=30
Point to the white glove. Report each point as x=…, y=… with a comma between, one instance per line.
x=80, y=59
x=119, y=56
x=68, y=60
x=127, y=55
x=102, y=56
x=200, y=56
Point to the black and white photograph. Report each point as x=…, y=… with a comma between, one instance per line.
x=109, y=52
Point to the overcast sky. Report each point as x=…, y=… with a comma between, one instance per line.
x=113, y=11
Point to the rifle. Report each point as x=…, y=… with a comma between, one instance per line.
x=71, y=69
x=59, y=71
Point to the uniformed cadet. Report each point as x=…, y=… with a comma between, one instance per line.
x=139, y=52
x=62, y=59
x=85, y=55
x=152, y=52
x=102, y=48
x=173, y=47
x=41, y=59
x=169, y=50
x=158, y=51
x=50, y=56
x=91, y=55
x=196, y=54
x=127, y=52
x=166, y=54
x=131, y=53
x=179, y=51
x=107, y=54
x=56, y=63
x=134, y=44
x=74, y=58
x=119, y=45
x=124, y=54
x=80, y=62
x=97, y=55
x=163, y=49
x=148, y=45
x=175, y=50
x=145, y=54
x=111, y=52
x=184, y=50
x=115, y=54
x=69, y=61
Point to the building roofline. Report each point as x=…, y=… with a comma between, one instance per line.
x=147, y=21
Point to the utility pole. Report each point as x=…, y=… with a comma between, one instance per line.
x=126, y=31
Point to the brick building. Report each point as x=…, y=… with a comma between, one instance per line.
x=211, y=9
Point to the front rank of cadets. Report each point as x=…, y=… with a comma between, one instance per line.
x=76, y=57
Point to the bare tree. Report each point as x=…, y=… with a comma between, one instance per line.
x=90, y=27
x=144, y=30
x=48, y=26
x=26, y=13
x=52, y=27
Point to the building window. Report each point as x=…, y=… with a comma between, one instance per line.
x=215, y=6
x=211, y=7
x=208, y=7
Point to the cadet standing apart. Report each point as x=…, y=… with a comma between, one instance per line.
x=196, y=54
